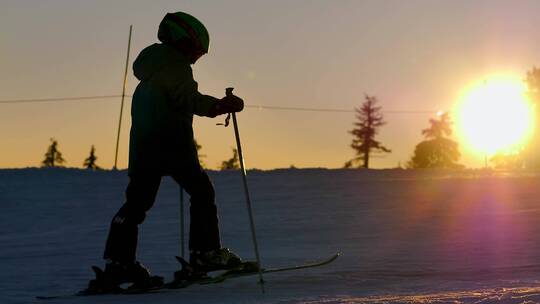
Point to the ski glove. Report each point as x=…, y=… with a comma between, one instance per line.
x=227, y=104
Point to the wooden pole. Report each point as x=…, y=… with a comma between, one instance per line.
x=115, y=167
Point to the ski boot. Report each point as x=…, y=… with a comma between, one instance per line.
x=187, y=275
x=219, y=259
x=116, y=274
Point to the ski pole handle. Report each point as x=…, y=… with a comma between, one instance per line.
x=228, y=91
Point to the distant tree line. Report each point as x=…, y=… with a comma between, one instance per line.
x=53, y=157
x=438, y=150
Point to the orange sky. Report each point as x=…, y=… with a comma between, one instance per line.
x=412, y=55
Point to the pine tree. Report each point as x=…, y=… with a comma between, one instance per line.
x=53, y=157
x=90, y=162
x=369, y=121
x=437, y=151
x=233, y=163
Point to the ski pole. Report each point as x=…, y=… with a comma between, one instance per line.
x=228, y=92
x=182, y=241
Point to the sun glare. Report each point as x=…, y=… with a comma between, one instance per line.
x=495, y=116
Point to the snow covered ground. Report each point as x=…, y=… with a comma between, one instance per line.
x=406, y=236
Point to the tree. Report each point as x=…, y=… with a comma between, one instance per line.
x=533, y=84
x=369, y=120
x=231, y=164
x=437, y=151
x=199, y=147
x=90, y=162
x=53, y=157
x=532, y=152
x=503, y=160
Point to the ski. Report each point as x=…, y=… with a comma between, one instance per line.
x=246, y=269
x=233, y=273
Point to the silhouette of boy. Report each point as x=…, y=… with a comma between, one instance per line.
x=161, y=144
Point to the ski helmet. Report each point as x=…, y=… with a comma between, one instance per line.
x=180, y=26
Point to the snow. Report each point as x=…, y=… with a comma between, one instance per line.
x=406, y=236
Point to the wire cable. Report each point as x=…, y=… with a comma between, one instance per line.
x=260, y=107
x=78, y=98
x=263, y=107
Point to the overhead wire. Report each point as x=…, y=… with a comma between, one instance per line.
x=254, y=106
x=78, y=98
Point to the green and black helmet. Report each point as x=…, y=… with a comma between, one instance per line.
x=180, y=26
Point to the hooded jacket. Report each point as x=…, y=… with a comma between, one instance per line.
x=161, y=136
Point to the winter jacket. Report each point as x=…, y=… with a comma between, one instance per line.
x=161, y=137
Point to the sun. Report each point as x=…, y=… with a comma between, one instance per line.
x=495, y=115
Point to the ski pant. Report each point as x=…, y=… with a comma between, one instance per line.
x=141, y=192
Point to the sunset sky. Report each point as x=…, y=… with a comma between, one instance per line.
x=412, y=55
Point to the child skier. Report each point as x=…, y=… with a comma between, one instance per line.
x=161, y=144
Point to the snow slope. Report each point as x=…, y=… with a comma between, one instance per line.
x=406, y=236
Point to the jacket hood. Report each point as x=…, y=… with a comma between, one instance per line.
x=153, y=58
